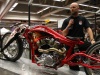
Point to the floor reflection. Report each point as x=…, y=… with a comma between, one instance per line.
x=26, y=67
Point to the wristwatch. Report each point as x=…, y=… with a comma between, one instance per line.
x=92, y=40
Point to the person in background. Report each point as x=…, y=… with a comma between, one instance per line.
x=74, y=27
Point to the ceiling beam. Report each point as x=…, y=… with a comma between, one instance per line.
x=2, y=0
x=58, y=10
x=66, y=2
x=89, y=15
x=5, y=8
x=51, y=6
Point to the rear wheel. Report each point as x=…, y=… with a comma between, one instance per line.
x=94, y=51
x=14, y=51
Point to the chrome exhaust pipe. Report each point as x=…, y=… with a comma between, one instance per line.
x=60, y=51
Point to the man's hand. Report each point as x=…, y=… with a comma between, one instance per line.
x=71, y=22
x=92, y=42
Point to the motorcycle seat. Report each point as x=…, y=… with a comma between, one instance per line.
x=74, y=38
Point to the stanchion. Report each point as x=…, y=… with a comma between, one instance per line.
x=29, y=4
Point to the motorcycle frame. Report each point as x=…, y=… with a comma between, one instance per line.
x=68, y=42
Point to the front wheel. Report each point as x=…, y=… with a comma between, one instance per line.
x=94, y=51
x=14, y=51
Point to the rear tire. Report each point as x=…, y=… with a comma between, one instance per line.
x=15, y=47
x=93, y=50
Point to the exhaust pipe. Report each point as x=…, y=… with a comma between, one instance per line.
x=60, y=51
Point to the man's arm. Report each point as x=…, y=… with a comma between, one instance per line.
x=89, y=31
x=66, y=30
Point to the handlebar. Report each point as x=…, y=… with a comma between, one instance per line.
x=16, y=24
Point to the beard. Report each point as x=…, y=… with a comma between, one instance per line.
x=74, y=13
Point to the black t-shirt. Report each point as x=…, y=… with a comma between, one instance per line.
x=77, y=29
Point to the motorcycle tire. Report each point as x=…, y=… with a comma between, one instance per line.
x=93, y=50
x=16, y=46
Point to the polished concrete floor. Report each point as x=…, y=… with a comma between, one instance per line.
x=24, y=66
x=6, y=72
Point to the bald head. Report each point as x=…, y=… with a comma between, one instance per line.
x=74, y=4
x=74, y=8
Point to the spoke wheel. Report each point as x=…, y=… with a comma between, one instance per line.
x=94, y=52
x=14, y=51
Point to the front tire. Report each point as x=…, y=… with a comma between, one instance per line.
x=14, y=51
x=94, y=51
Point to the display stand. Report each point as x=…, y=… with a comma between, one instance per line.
x=29, y=4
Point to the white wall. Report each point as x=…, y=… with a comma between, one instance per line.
x=60, y=22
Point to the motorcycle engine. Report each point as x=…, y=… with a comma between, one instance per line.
x=49, y=59
x=52, y=52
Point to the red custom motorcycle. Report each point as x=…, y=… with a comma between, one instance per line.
x=50, y=49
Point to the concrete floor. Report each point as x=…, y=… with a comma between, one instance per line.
x=24, y=66
x=6, y=72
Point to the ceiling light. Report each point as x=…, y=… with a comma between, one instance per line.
x=58, y=15
x=11, y=9
x=43, y=10
x=98, y=11
x=23, y=12
x=13, y=6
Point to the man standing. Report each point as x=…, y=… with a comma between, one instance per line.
x=74, y=26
